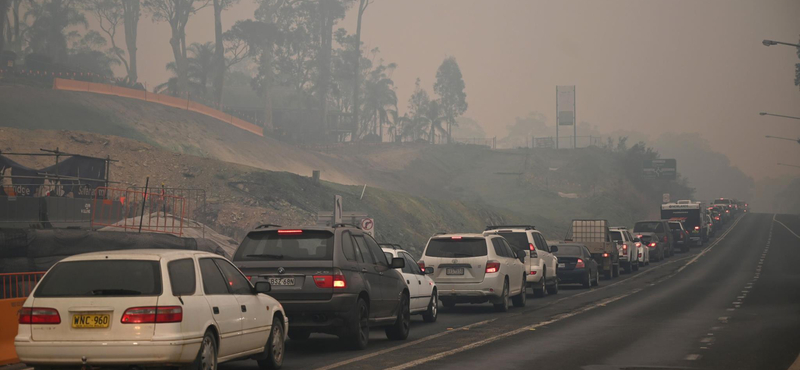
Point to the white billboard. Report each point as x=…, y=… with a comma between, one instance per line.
x=565, y=105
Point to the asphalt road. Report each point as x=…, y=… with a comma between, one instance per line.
x=732, y=304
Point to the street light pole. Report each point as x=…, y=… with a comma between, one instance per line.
x=777, y=115
x=788, y=165
x=771, y=42
x=783, y=138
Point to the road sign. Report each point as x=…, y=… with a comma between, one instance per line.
x=565, y=104
x=368, y=225
x=660, y=169
x=665, y=198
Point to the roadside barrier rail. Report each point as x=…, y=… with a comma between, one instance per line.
x=18, y=285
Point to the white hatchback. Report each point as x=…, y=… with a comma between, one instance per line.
x=475, y=268
x=149, y=308
x=424, y=296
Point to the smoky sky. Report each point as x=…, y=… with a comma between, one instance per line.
x=651, y=66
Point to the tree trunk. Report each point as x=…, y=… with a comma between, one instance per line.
x=180, y=63
x=356, y=82
x=326, y=45
x=131, y=14
x=219, y=54
x=4, y=5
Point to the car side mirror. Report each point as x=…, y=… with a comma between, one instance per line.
x=263, y=287
x=553, y=248
x=428, y=271
x=398, y=263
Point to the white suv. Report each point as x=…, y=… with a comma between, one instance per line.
x=424, y=297
x=475, y=268
x=541, y=265
x=628, y=251
x=144, y=308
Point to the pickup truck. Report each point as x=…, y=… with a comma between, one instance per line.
x=597, y=238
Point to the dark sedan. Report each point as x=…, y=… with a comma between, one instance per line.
x=576, y=265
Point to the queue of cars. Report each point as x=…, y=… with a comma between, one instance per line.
x=196, y=309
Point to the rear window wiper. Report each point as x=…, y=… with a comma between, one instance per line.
x=116, y=292
x=275, y=256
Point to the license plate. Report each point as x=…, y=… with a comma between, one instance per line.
x=281, y=281
x=90, y=321
x=562, y=265
x=455, y=271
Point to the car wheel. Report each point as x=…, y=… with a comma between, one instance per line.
x=521, y=298
x=597, y=278
x=359, y=327
x=553, y=289
x=399, y=330
x=207, y=356
x=433, y=308
x=503, y=305
x=275, y=348
x=299, y=334
x=588, y=281
x=541, y=290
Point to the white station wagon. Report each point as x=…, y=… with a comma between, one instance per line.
x=149, y=308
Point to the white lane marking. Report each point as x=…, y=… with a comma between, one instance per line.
x=378, y=353
x=510, y=333
x=784, y=225
x=692, y=357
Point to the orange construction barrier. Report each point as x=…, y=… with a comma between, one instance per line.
x=171, y=101
x=15, y=289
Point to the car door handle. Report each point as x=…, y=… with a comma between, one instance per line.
x=408, y=282
x=216, y=310
x=244, y=308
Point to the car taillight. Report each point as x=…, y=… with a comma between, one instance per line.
x=152, y=315
x=652, y=245
x=580, y=264
x=250, y=278
x=697, y=227
x=330, y=281
x=605, y=255
x=492, y=267
x=290, y=232
x=625, y=247
x=531, y=247
x=456, y=237
x=421, y=265
x=533, y=251
x=39, y=316
x=640, y=255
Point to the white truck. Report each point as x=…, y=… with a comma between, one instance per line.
x=541, y=265
x=692, y=215
x=595, y=235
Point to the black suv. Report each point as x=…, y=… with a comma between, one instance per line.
x=657, y=235
x=333, y=280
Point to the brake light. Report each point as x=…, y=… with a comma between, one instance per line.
x=455, y=237
x=492, y=267
x=152, y=315
x=290, y=232
x=605, y=255
x=625, y=247
x=652, y=245
x=330, y=281
x=533, y=251
x=421, y=265
x=39, y=316
x=697, y=227
x=640, y=255
x=580, y=264
x=530, y=245
x=249, y=278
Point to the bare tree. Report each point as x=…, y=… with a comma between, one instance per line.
x=109, y=14
x=219, y=55
x=4, y=6
x=177, y=13
x=131, y=12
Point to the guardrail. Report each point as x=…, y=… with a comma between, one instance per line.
x=18, y=285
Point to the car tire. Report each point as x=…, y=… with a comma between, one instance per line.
x=503, y=305
x=402, y=325
x=433, y=308
x=520, y=299
x=553, y=288
x=275, y=348
x=588, y=281
x=207, y=355
x=541, y=290
x=358, y=335
x=299, y=334
x=597, y=278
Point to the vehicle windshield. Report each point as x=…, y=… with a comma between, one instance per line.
x=456, y=248
x=569, y=251
x=647, y=227
x=517, y=241
x=291, y=246
x=101, y=278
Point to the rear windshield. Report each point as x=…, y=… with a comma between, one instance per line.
x=616, y=236
x=648, y=227
x=517, y=241
x=453, y=248
x=674, y=226
x=302, y=246
x=101, y=278
x=568, y=250
x=721, y=201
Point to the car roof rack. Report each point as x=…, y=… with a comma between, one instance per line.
x=392, y=245
x=526, y=227
x=264, y=226
x=346, y=225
